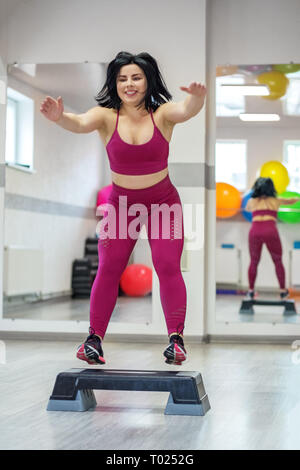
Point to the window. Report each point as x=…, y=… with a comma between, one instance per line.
x=11, y=131
x=231, y=163
x=228, y=102
x=291, y=160
x=19, y=130
x=291, y=100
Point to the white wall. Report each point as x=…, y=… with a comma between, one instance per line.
x=171, y=31
x=67, y=170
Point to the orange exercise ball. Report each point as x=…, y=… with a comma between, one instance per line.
x=228, y=200
x=136, y=280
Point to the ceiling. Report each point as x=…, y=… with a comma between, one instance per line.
x=77, y=84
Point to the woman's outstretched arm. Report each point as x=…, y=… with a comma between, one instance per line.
x=286, y=201
x=188, y=108
x=79, y=123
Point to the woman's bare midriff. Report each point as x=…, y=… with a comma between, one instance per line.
x=260, y=218
x=138, y=181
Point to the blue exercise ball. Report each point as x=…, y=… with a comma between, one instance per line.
x=246, y=214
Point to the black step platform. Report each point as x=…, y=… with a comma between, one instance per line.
x=73, y=389
x=289, y=305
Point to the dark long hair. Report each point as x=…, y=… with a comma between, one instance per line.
x=263, y=187
x=156, y=93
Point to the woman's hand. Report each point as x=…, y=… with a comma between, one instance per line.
x=195, y=89
x=52, y=109
x=194, y=102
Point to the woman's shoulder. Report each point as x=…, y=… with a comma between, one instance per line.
x=161, y=114
x=268, y=202
x=109, y=115
x=274, y=201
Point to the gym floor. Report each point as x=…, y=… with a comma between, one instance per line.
x=253, y=392
x=228, y=306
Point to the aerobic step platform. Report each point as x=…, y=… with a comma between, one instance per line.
x=73, y=389
x=289, y=305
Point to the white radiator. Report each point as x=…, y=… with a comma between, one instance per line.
x=295, y=267
x=228, y=265
x=23, y=270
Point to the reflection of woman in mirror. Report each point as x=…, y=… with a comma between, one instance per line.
x=135, y=120
x=264, y=206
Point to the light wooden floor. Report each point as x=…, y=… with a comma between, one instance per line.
x=253, y=392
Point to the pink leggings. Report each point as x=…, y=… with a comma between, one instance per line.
x=164, y=226
x=260, y=233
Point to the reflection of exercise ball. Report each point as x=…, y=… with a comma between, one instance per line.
x=286, y=68
x=222, y=70
x=102, y=198
x=247, y=214
x=277, y=83
x=136, y=280
x=286, y=212
x=228, y=200
x=278, y=173
x=103, y=194
x=255, y=68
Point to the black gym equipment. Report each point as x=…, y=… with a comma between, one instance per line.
x=73, y=389
x=84, y=270
x=289, y=306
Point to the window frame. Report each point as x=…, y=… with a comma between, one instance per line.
x=286, y=143
x=24, y=136
x=233, y=141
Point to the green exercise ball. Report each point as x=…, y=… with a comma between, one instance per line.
x=286, y=68
x=287, y=212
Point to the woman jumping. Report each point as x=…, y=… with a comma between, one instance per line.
x=135, y=120
x=264, y=206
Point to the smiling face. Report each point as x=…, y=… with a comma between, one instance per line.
x=131, y=78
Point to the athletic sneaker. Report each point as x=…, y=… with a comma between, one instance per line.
x=250, y=295
x=91, y=350
x=284, y=295
x=175, y=353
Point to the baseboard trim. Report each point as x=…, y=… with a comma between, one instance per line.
x=157, y=339
x=114, y=338
x=253, y=339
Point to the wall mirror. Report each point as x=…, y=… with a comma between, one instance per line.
x=257, y=135
x=53, y=179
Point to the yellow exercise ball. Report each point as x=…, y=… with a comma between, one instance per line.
x=278, y=173
x=277, y=83
x=273, y=96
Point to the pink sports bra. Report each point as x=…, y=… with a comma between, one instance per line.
x=131, y=159
x=264, y=212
